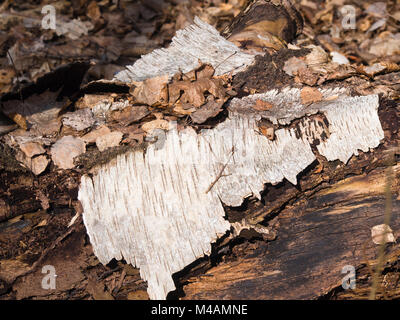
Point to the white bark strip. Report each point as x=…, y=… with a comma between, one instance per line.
x=353, y=121
x=199, y=41
x=153, y=208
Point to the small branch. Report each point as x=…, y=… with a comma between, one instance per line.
x=219, y=176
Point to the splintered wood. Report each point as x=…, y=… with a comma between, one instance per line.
x=155, y=208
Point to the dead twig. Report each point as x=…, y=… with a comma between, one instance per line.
x=220, y=173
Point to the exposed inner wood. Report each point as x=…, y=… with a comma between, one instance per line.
x=316, y=239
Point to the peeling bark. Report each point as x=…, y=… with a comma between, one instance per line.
x=161, y=196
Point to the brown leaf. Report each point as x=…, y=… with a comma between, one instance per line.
x=130, y=114
x=65, y=150
x=31, y=149
x=109, y=140
x=209, y=110
x=310, y=95
x=37, y=164
x=159, y=123
x=306, y=76
x=194, y=92
x=262, y=105
x=40, y=110
x=79, y=120
x=205, y=71
x=91, y=100
x=152, y=92
x=93, y=11
x=93, y=135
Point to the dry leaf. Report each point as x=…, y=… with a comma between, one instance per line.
x=109, y=140
x=91, y=100
x=262, y=105
x=93, y=135
x=31, y=149
x=37, y=164
x=65, y=150
x=310, y=95
x=39, y=110
x=79, y=120
x=93, y=11
x=129, y=115
x=293, y=65
x=306, y=76
x=209, y=110
x=159, y=123
x=194, y=93
x=152, y=92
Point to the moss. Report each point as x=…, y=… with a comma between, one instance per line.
x=94, y=158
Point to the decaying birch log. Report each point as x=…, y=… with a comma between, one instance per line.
x=163, y=207
x=155, y=208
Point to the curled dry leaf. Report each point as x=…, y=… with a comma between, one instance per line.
x=381, y=67
x=211, y=109
x=152, y=92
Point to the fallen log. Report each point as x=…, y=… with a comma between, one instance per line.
x=274, y=165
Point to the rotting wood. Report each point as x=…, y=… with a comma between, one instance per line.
x=316, y=239
x=169, y=184
x=356, y=167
